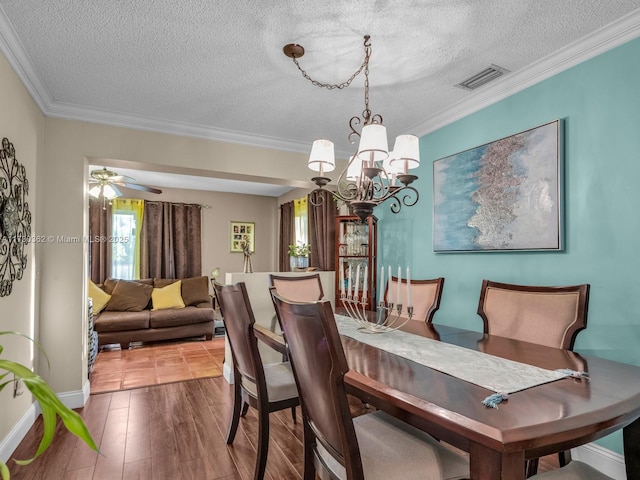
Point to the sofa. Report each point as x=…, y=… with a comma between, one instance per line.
x=151, y=309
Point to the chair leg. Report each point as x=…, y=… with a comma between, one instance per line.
x=245, y=408
x=564, y=457
x=531, y=467
x=263, y=443
x=235, y=414
x=293, y=414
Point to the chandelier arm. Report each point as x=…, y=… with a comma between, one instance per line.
x=406, y=199
x=316, y=200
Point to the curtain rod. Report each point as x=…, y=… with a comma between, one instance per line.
x=180, y=203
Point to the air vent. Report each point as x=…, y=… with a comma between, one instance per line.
x=483, y=77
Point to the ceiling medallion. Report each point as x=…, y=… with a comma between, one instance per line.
x=374, y=174
x=15, y=218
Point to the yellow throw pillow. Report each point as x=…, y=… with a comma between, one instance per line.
x=100, y=297
x=167, y=297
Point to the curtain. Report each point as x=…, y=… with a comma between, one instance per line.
x=135, y=208
x=99, y=232
x=322, y=229
x=171, y=240
x=286, y=235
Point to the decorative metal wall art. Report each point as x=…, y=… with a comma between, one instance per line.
x=15, y=218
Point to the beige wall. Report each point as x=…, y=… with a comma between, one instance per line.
x=23, y=124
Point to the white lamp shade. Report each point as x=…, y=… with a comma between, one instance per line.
x=110, y=192
x=354, y=169
x=95, y=191
x=322, y=157
x=406, y=149
x=373, y=143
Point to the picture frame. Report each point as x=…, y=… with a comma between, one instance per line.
x=505, y=195
x=239, y=234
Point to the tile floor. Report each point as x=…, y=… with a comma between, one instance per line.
x=154, y=363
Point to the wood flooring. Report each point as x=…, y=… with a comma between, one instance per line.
x=172, y=431
x=145, y=364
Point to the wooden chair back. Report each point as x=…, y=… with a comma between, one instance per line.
x=425, y=295
x=299, y=288
x=545, y=315
x=319, y=366
x=238, y=323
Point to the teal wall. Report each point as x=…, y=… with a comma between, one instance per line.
x=599, y=102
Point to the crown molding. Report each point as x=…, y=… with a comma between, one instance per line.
x=615, y=34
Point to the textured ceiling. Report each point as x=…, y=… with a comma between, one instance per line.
x=216, y=69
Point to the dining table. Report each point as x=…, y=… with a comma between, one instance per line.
x=558, y=415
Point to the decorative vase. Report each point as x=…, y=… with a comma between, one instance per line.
x=298, y=264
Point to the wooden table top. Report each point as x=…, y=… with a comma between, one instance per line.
x=531, y=423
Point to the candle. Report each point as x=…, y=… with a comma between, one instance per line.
x=399, y=295
x=390, y=290
x=409, y=299
x=355, y=290
x=381, y=291
x=341, y=279
x=365, y=283
x=349, y=282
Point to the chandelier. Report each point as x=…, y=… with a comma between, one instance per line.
x=373, y=174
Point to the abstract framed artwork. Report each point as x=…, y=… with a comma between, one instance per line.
x=242, y=234
x=505, y=195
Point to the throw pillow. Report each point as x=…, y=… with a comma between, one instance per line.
x=195, y=290
x=167, y=297
x=100, y=297
x=129, y=296
x=163, y=282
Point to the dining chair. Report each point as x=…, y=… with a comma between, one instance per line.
x=575, y=470
x=546, y=315
x=301, y=288
x=267, y=388
x=425, y=295
x=372, y=446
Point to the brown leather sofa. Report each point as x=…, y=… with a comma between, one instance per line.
x=129, y=314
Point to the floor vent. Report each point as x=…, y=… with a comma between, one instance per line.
x=483, y=77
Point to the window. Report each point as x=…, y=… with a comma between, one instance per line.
x=301, y=220
x=126, y=221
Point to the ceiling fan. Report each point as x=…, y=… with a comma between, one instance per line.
x=105, y=183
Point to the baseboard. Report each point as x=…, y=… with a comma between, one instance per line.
x=227, y=373
x=18, y=432
x=75, y=399
x=608, y=462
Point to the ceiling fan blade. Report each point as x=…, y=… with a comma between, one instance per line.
x=143, y=188
x=122, y=179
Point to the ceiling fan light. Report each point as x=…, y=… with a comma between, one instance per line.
x=373, y=143
x=322, y=157
x=110, y=192
x=95, y=191
x=406, y=151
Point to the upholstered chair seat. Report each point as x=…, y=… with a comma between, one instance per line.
x=573, y=471
x=280, y=382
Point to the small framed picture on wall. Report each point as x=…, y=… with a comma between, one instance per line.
x=242, y=236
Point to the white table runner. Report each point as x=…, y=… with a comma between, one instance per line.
x=488, y=371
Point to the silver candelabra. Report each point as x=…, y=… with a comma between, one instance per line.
x=388, y=315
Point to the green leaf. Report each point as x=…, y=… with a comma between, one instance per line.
x=50, y=405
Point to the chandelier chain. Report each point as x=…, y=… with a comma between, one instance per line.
x=346, y=83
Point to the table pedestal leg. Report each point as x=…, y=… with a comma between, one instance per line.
x=631, y=437
x=487, y=464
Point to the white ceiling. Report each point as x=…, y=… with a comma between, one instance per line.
x=215, y=69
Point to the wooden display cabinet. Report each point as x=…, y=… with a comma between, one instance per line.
x=356, y=244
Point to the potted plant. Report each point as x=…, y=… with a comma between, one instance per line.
x=299, y=256
x=50, y=405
